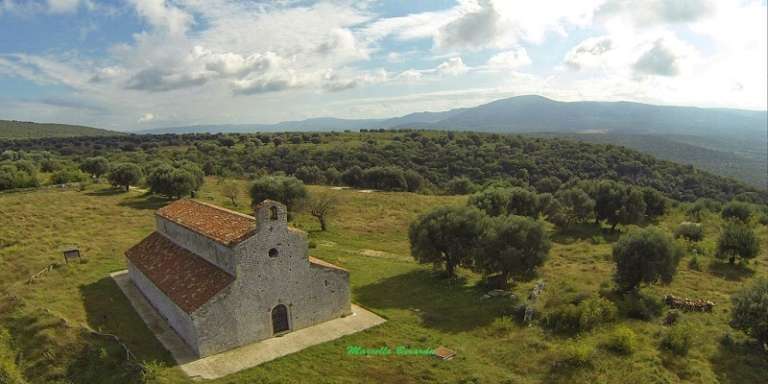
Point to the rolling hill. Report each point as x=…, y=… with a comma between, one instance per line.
x=727, y=142
x=11, y=129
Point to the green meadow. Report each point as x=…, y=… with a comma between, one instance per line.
x=46, y=324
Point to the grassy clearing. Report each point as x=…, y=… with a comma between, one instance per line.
x=46, y=320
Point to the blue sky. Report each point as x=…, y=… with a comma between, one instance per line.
x=138, y=64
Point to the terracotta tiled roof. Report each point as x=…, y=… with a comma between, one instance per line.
x=189, y=280
x=220, y=224
x=321, y=263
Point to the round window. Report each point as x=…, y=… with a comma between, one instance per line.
x=273, y=252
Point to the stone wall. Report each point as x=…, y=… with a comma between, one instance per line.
x=211, y=250
x=180, y=321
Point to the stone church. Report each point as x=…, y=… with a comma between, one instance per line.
x=223, y=279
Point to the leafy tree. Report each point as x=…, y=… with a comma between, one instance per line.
x=353, y=176
x=548, y=184
x=690, y=231
x=321, y=207
x=609, y=200
x=737, y=210
x=750, y=311
x=576, y=205
x=655, y=202
x=493, y=201
x=332, y=176
x=522, y=202
x=460, y=186
x=514, y=245
x=644, y=256
x=633, y=210
x=385, y=178
x=125, y=175
x=285, y=189
x=414, y=181
x=12, y=177
x=310, y=174
x=737, y=241
x=230, y=190
x=69, y=175
x=171, y=182
x=447, y=235
x=95, y=166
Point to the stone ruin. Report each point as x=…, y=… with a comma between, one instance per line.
x=689, y=305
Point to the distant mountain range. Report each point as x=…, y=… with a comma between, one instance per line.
x=11, y=129
x=526, y=114
x=728, y=142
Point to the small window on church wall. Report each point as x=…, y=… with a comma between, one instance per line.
x=273, y=252
x=273, y=213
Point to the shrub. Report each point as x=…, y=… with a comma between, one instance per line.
x=677, y=339
x=575, y=354
x=690, y=231
x=750, y=310
x=584, y=315
x=460, y=186
x=694, y=264
x=70, y=175
x=622, y=340
x=640, y=306
x=737, y=210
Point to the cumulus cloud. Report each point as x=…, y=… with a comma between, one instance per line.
x=157, y=80
x=474, y=29
x=588, y=53
x=654, y=12
x=660, y=60
x=453, y=66
x=163, y=15
x=511, y=59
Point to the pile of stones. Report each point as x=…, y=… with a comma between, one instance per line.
x=689, y=305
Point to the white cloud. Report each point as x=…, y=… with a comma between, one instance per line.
x=63, y=6
x=163, y=15
x=660, y=60
x=146, y=118
x=511, y=59
x=453, y=66
x=589, y=53
x=654, y=12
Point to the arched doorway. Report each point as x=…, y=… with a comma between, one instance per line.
x=280, y=319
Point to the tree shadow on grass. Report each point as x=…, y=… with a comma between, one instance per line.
x=106, y=192
x=445, y=304
x=740, y=362
x=584, y=231
x=145, y=202
x=731, y=272
x=109, y=311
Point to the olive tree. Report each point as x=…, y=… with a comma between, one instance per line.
x=737, y=241
x=285, y=189
x=513, y=245
x=576, y=205
x=125, y=175
x=321, y=207
x=750, y=311
x=95, y=166
x=447, y=235
x=645, y=256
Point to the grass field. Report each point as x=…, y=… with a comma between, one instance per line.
x=44, y=325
